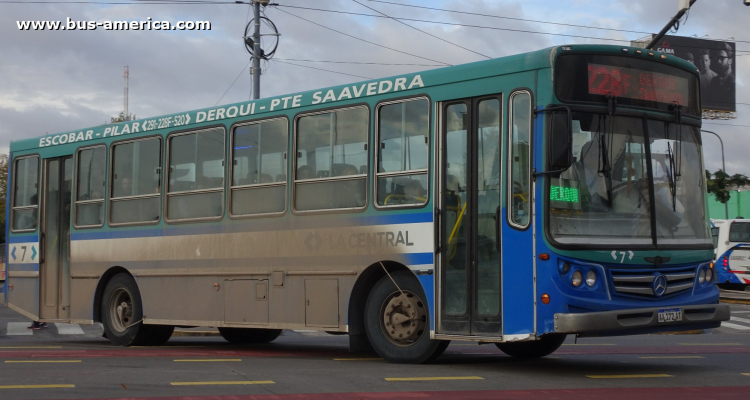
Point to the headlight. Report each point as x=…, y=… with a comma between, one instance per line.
x=709, y=275
x=702, y=276
x=565, y=267
x=591, y=278
x=577, y=278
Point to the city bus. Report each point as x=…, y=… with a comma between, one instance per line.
x=732, y=254
x=511, y=201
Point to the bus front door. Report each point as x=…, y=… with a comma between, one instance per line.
x=469, y=269
x=54, y=268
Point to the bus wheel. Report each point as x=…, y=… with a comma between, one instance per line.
x=122, y=312
x=397, y=322
x=545, y=346
x=158, y=334
x=249, y=335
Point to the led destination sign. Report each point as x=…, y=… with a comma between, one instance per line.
x=637, y=84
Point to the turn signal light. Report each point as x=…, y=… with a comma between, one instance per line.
x=545, y=298
x=544, y=256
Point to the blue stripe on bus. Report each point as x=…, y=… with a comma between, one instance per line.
x=23, y=239
x=419, y=258
x=410, y=218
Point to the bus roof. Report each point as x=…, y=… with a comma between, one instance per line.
x=329, y=96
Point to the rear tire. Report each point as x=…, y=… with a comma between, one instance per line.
x=397, y=325
x=122, y=312
x=249, y=335
x=545, y=346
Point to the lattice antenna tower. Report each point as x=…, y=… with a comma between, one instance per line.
x=126, y=81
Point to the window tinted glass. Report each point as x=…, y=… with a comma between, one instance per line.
x=91, y=174
x=259, y=153
x=135, y=168
x=519, y=160
x=334, y=144
x=403, y=131
x=26, y=182
x=739, y=232
x=196, y=161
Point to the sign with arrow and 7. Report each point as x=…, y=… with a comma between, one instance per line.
x=24, y=253
x=621, y=255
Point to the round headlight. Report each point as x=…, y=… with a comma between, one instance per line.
x=709, y=274
x=577, y=278
x=702, y=276
x=591, y=278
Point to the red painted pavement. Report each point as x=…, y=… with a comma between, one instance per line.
x=697, y=393
x=208, y=352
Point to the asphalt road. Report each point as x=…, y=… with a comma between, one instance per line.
x=73, y=362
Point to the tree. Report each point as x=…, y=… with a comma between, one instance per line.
x=722, y=183
x=122, y=118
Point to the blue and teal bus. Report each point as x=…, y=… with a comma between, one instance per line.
x=513, y=201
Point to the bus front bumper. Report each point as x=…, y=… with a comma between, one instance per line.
x=641, y=320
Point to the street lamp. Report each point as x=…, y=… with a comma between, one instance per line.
x=724, y=168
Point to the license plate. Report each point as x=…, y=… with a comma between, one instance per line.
x=669, y=315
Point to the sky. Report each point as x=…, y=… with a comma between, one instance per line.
x=55, y=81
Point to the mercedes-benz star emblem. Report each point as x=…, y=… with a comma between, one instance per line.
x=659, y=286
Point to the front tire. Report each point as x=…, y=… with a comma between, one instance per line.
x=397, y=324
x=122, y=312
x=545, y=346
x=249, y=335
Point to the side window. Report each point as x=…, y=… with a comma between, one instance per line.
x=519, y=182
x=259, y=167
x=25, y=194
x=136, y=182
x=403, y=152
x=332, y=160
x=196, y=175
x=90, y=186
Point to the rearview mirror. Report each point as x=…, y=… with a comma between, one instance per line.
x=560, y=149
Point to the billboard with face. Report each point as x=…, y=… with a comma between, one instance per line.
x=715, y=60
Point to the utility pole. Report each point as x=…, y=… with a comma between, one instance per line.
x=255, y=71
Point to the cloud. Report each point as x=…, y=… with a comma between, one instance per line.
x=57, y=81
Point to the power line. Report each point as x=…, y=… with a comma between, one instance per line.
x=511, y=18
x=469, y=26
x=363, y=40
x=235, y=81
x=321, y=69
x=359, y=62
x=716, y=123
x=426, y=33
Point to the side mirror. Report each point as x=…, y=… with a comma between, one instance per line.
x=560, y=149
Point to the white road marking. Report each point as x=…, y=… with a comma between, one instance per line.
x=734, y=326
x=740, y=312
x=19, y=328
x=69, y=329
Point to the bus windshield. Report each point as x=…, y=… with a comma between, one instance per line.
x=605, y=198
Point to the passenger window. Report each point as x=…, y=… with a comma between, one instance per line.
x=135, y=194
x=196, y=175
x=333, y=172
x=259, y=167
x=403, y=152
x=25, y=194
x=90, y=186
x=520, y=160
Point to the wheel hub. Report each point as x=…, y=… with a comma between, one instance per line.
x=121, y=310
x=404, y=318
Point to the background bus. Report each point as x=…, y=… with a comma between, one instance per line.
x=732, y=240
x=501, y=201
